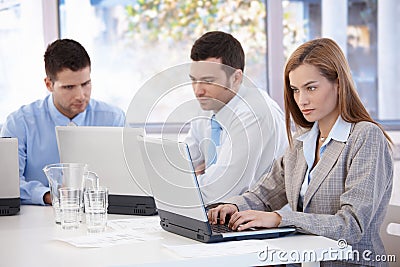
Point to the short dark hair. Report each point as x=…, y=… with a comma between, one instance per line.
x=65, y=54
x=219, y=45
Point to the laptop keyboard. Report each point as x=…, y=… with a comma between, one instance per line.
x=221, y=228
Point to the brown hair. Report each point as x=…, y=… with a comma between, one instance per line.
x=65, y=54
x=327, y=56
x=219, y=45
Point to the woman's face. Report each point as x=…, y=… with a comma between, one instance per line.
x=316, y=96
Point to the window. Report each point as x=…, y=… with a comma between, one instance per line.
x=131, y=41
x=21, y=55
x=366, y=36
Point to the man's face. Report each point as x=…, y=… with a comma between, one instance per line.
x=212, y=88
x=71, y=91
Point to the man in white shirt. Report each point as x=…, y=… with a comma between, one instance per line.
x=242, y=130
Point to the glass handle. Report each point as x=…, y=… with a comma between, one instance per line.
x=94, y=179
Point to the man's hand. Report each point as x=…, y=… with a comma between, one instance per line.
x=200, y=169
x=47, y=198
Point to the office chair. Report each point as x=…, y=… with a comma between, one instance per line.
x=391, y=241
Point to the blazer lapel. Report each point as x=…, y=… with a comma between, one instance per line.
x=322, y=169
x=297, y=178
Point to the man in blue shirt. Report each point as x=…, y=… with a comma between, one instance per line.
x=68, y=67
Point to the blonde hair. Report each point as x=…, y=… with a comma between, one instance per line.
x=327, y=56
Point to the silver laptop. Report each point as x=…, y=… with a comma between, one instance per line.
x=178, y=197
x=9, y=176
x=113, y=153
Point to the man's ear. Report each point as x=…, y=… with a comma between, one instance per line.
x=237, y=77
x=49, y=84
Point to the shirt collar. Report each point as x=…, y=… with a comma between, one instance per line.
x=309, y=143
x=59, y=118
x=339, y=132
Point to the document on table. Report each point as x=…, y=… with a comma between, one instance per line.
x=123, y=231
x=107, y=239
x=219, y=249
x=145, y=225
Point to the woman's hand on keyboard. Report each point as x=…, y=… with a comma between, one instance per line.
x=253, y=218
x=219, y=214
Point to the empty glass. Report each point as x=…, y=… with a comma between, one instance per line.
x=70, y=207
x=96, y=204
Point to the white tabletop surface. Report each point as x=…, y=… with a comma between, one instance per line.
x=30, y=239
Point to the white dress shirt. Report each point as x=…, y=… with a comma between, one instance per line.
x=253, y=135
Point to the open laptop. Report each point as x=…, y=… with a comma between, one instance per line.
x=113, y=154
x=178, y=197
x=9, y=177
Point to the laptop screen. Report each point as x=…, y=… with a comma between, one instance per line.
x=9, y=176
x=170, y=169
x=111, y=152
x=9, y=168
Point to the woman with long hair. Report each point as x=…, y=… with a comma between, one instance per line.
x=335, y=179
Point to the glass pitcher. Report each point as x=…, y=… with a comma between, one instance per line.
x=72, y=175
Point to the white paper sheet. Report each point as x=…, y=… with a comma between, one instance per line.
x=107, y=239
x=122, y=231
x=219, y=249
x=145, y=225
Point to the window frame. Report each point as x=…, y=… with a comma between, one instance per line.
x=274, y=57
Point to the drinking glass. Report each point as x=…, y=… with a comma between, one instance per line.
x=96, y=204
x=70, y=199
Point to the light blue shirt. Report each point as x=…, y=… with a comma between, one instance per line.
x=339, y=132
x=34, y=126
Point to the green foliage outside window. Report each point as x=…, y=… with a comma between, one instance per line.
x=179, y=20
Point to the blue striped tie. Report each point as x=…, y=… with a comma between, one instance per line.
x=215, y=141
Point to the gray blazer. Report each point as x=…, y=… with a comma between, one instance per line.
x=346, y=199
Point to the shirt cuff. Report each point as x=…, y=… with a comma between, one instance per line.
x=37, y=195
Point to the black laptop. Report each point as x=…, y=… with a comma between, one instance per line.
x=9, y=177
x=178, y=197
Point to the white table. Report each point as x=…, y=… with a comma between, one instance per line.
x=29, y=239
